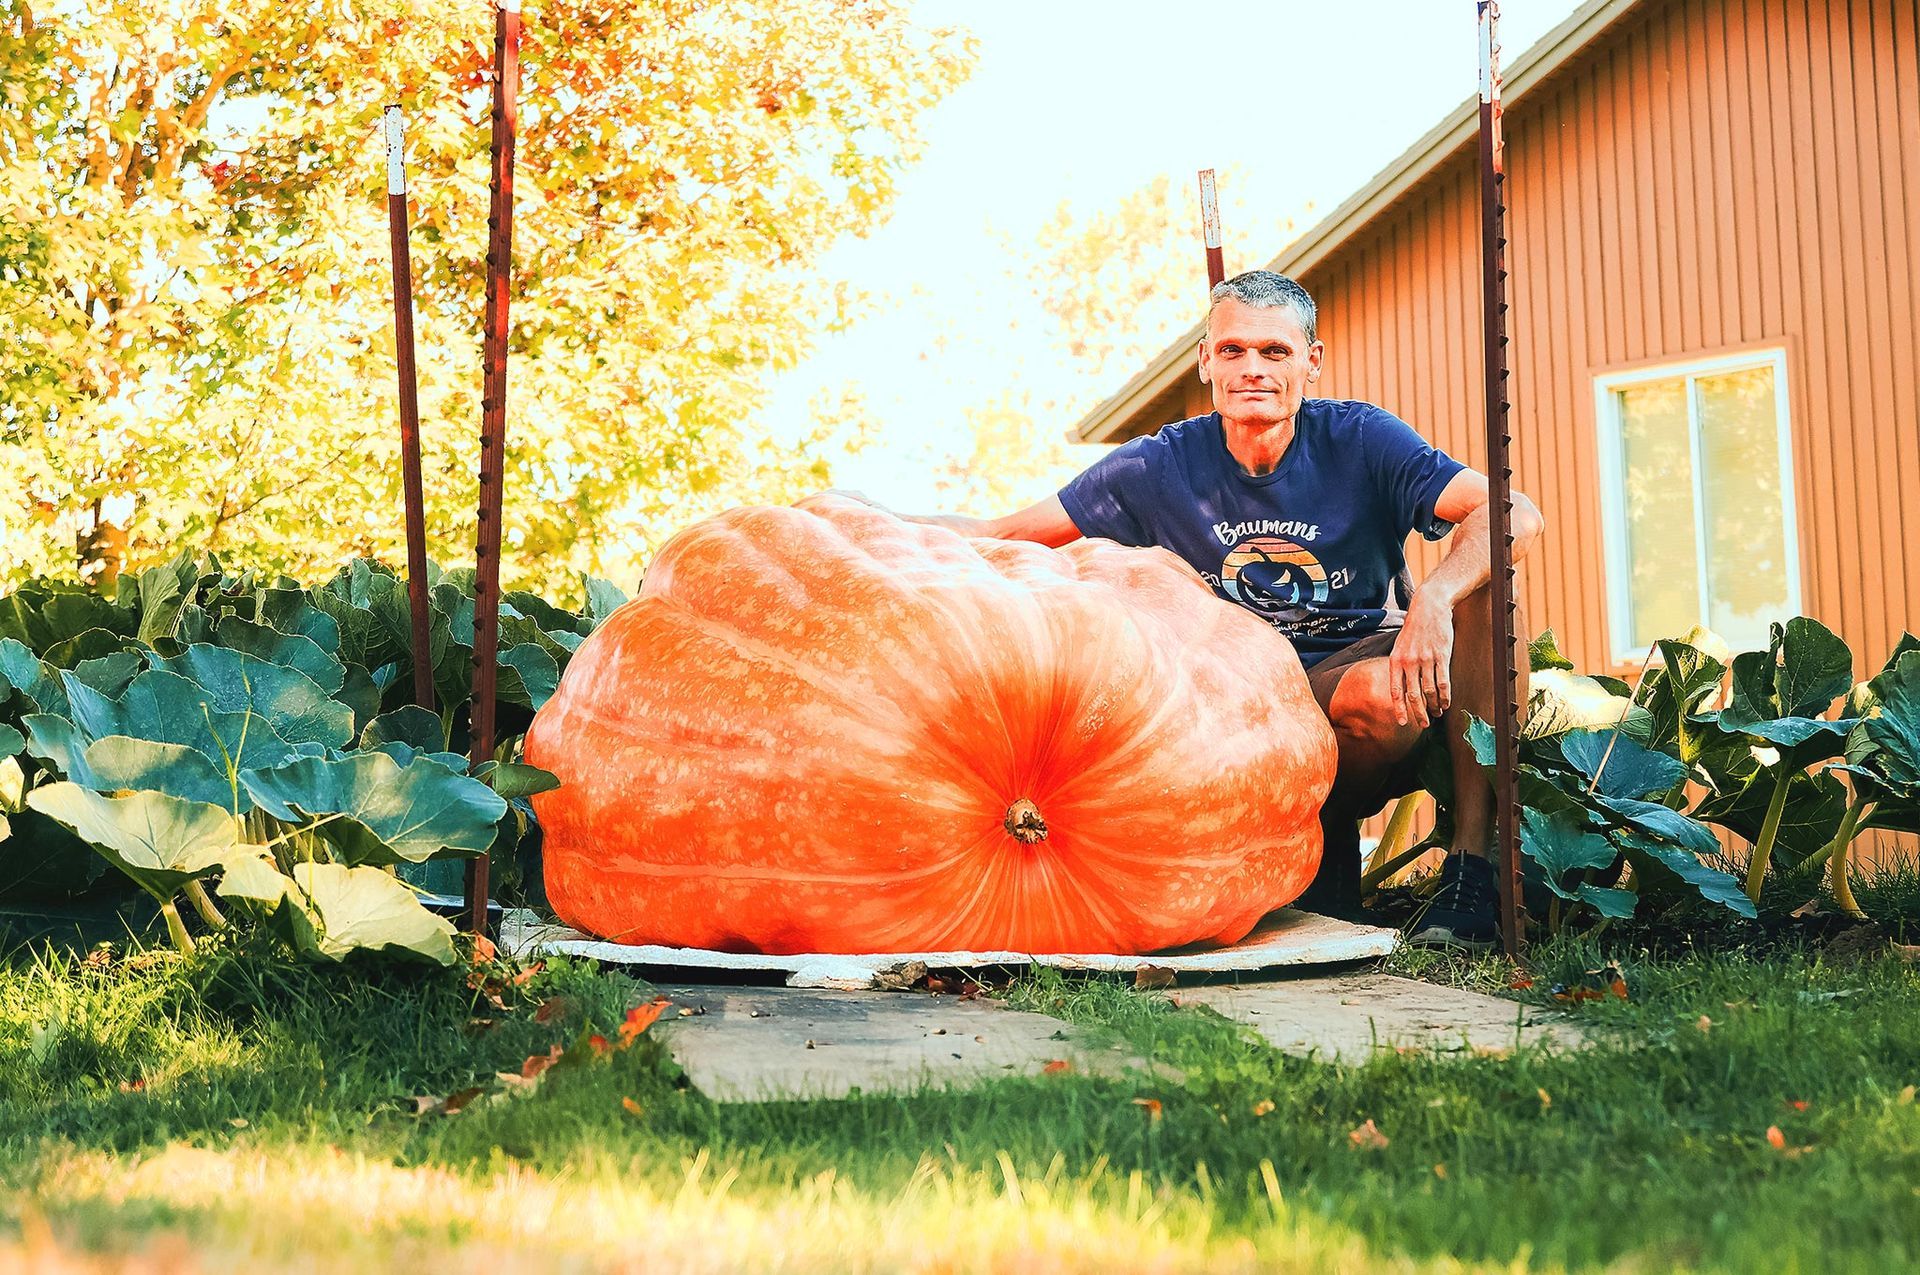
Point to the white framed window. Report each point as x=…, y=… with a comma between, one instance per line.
x=1696, y=473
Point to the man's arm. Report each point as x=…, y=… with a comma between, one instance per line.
x=1045, y=522
x=1419, y=670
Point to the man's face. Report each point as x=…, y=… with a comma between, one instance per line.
x=1258, y=361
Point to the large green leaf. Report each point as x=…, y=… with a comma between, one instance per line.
x=118, y=763
x=1559, y=701
x=298, y=708
x=169, y=709
x=539, y=675
x=11, y=740
x=1675, y=692
x=41, y=860
x=290, y=650
x=161, y=842
x=409, y=724
x=109, y=674
x=1537, y=789
x=1625, y=769
x=93, y=644
x=1666, y=866
x=549, y=617
x=1893, y=729
x=329, y=911
x=1662, y=822
x=1563, y=842
x=515, y=778
x=290, y=609
x=156, y=596
x=32, y=677
x=604, y=597
x=390, y=813
x=1544, y=653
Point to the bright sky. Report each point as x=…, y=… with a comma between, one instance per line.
x=1085, y=101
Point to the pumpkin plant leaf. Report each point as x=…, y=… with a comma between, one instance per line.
x=290, y=650
x=297, y=707
x=604, y=597
x=169, y=709
x=1607, y=901
x=119, y=763
x=1661, y=865
x=1624, y=768
x=162, y=842
x=328, y=911
x=410, y=724
x=1559, y=701
x=1561, y=843
x=32, y=677
x=1662, y=822
x=1544, y=653
x=389, y=813
x=516, y=779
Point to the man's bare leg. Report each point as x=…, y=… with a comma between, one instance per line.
x=1371, y=742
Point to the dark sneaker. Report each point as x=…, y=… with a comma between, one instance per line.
x=1465, y=911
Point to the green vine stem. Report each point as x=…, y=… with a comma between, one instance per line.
x=1769, y=830
x=1394, y=840
x=204, y=905
x=1837, y=866
x=176, y=928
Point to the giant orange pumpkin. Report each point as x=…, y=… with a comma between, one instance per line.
x=824, y=729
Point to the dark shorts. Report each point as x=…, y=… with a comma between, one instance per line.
x=1404, y=778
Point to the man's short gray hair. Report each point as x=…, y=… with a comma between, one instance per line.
x=1266, y=290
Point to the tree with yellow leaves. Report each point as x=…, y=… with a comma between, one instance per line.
x=195, y=322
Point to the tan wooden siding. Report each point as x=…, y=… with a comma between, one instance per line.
x=1712, y=176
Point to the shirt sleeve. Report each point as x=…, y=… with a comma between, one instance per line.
x=1107, y=500
x=1409, y=472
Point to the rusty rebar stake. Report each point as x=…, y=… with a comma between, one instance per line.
x=1210, y=231
x=1506, y=712
x=493, y=415
x=416, y=516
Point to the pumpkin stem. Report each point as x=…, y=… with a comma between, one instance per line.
x=1024, y=822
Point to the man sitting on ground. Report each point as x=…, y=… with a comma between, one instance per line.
x=1298, y=509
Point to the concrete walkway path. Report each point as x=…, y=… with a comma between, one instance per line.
x=1345, y=1018
x=764, y=1043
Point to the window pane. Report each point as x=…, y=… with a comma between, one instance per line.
x=1746, y=542
x=1662, y=559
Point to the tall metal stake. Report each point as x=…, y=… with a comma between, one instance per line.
x=493, y=416
x=1210, y=230
x=409, y=406
x=1493, y=274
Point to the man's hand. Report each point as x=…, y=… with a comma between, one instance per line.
x=1418, y=671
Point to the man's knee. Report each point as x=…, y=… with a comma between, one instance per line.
x=1362, y=714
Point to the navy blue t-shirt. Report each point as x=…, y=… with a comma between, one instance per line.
x=1313, y=548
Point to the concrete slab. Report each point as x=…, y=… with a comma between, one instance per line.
x=762, y=1043
x=1346, y=1018
x=1283, y=939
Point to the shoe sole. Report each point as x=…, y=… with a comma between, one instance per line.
x=1441, y=936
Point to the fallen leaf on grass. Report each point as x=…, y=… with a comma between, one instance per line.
x=1148, y=977
x=238, y=1122
x=1596, y=985
x=1704, y=1023
x=535, y=1064
x=1263, y=1107
x=551, y=1008
x=641, y=1017
x=1055, y=1066
x=1520, y=982
x=1546, y=1100
x=1367, y=1138
x=483, y=950
x=1906, y=1096
x=1778, y=1141
x=1152, y=1108
x=431, y=1105
x=528, y=974
x=1440, y=1171
x=632, y=1108
x=598, y=1045
x=137, y=1084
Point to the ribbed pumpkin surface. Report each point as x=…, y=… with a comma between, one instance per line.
x=824, y=729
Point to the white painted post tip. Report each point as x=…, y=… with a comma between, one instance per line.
x=1209, y=209
x=1489, y=76
x=396, y=151
x=510, y=6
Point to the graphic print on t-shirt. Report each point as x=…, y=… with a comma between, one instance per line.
x=1274, y=578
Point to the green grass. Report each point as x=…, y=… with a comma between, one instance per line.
x=231, y=1113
